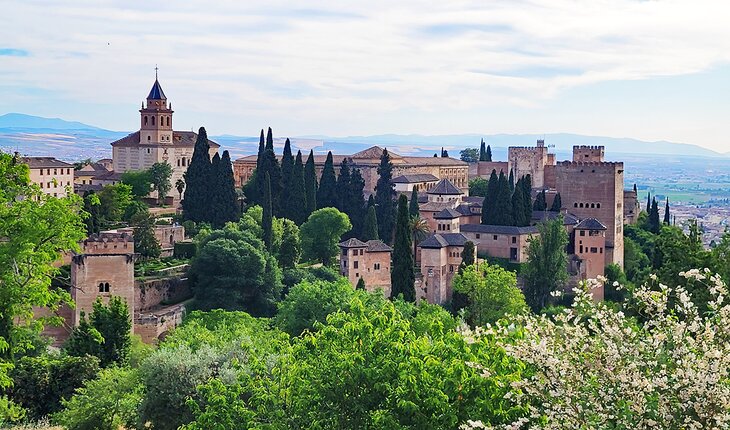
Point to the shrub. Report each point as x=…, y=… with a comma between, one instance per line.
x=185, y=250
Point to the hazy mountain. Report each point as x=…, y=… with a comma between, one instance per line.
x=70, y=140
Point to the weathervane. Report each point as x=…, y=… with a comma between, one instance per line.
x=155, y=71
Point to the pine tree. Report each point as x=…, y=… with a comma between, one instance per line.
x=540, y=202
x=557, y=203
x=482, y=151
x=654, y=225
x=402, y=278
x=310, y=184
x=489, y=204
x=413, y=204
x=370, y=228
x=197, y=178
x=518, y=204
x=667, y=220
x=327, y=195
x=298, y=202
x=287, y=172
x=384, y=199
x=227, y=190
x=489, y=153
x=267, y=218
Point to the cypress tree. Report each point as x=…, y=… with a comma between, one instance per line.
x=268, y=215
x=402, y=278
x=252, y=189
x=215, y=202
x=540, y=202
x=527, y=189
x=635, y=189
x=489, y=204
x=654, y=225
x=327, y=192
x=298, y=202
x=287, y=172
x=270, y=165
x=504, y=202
x=310, y=185
x=197, y=180
x=356, y=202
x=648, y=202
x=413, y=204
x=371, y=201
x=666, y=213
x=370, y=228
x=444, y=153
x=482, y=151
x=557, y=203
x=227, y=187
x=384, y=199
x=343, y=184
x=512, y=181
x=518, y=204
x=360, y=284
x=489, y=153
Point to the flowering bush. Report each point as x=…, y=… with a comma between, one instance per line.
x=595, y=367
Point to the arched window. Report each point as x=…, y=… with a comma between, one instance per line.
x=593, y=205
x=101, y=287
x=172, y=239
x=145, y=120
x=168, y=121
x=104, y=287
x=598, y=205
x=153, y=120
x=148, y=139
x=575, y=205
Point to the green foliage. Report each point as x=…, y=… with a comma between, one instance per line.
x=114, y=201
x=268, y=214
x=370, y=229
x=35, y=229
x=84, y=340
x=385, y=199
x=287, y=179
x=373, y=367
x=310, y=185
x=413, y=210
x=546, y=269
x=197, y=179
x=469, y=155
x=654, y=224
x=615, y=279
x=478, y=187
x=557, y=203
x=180, y=186
x=135, y=207
x=492, y=293
x=234, y=271
x=483, y=152
x=489, y=153
x=40, y=383
x=491, y=196
x=321, y=234
x=502, y=210
x=160, y=175
x=402, y=278
x=296, y=206
x=145, y=242
x=540, y=202
x=185, y=250
x=290, y=249
x=327, y=195
x=105, y=403
x=667, y=217
x=310, y=302
x=106, y=335
x=360, y=284
x=225, y=207
x=518, y=205
x=140, y=181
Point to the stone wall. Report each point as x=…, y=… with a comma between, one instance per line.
x=152, y=293
x=154, y=326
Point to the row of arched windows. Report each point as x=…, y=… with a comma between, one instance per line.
x=182, y=162
x=163, y=120
x=587, y=205
x=104, y=287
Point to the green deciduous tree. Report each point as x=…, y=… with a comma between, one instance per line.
x=469, y=155
x=145, y=242
x=160, y=175
x=478, y=187
x=546, y=269
x=321, y=233
x=140, y=181
x=310, y=302
x=290, y=249
x=492, y=293
x=402, y=278
x=106, y=334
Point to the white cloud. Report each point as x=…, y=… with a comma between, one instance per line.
x=328, y=62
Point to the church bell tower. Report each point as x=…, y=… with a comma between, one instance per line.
x=156, y=117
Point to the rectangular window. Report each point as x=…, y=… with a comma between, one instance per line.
x=344, y=251
x=594, y=250
x=582, y=232
x=376, y=266
x=361, y=251
x=495, y=237
x=451, y=268
x=354, y=264
x=479, y=236
x=514, y=239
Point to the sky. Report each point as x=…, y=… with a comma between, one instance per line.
x=651, y=70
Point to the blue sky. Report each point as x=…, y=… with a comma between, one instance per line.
x=652, y=70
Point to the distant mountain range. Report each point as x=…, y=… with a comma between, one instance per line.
x=70, y=140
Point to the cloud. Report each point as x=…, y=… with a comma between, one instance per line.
x=10, y=52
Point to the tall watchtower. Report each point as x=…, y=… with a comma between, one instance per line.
x=104, y=268
x=588, y=154
x=156, y=117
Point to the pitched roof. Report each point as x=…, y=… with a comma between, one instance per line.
x=445, y=187
x=474, y=200
x=44, y=162
x=415, y=178
x=568, y=218
x=156, y=92
x=109, y=175
x=447, y=213
x=179, y=138
x=378, y=246
x=435, y=206
x=375, y=152
x=352, y=243
x=442, y=240
x=466, y=210
x=498, y=229
x=590, y=224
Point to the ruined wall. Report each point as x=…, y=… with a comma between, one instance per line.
x=153, y=327
x=528, y=161
x=152, y=293
x=595, y=190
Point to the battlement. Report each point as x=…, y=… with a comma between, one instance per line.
x=592, y=163
x=591, y=147
x=108, y=243
x=588, y=153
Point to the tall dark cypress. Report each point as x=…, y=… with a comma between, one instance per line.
x=518, y=205
x=327, y=192
x=370, y=227
x=343, y=183
x=287, y=171
x=268, y=214
x=197, y=180
x=227, y=185
x=635, y=189
x=527, y=189
x=648, y=202
x=511, y=180
x=654, y=225
x=557, y=203
x=489, y=153
x=298, y=202
x=667, y=220
x=371, y=201
x=310, y=184
x=270, y=165
x=252, y=189
x=402, y=278
x=215, y=201
x=489, y=203
x=540, y=202
x=504, y=202
x=356, y=208
x=482, y=151
x=385, y=198
x=413, y=204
